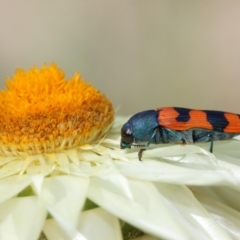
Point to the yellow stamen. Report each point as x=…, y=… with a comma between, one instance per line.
x=40, y=111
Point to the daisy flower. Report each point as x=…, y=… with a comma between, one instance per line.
x=63, y=174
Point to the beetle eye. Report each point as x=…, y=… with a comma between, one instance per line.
x=126, y=133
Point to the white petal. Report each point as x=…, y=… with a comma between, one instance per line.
x=11, y=168
x=180, y=173
x=62, y=161
x=52, y=231
x=145, y=237
x=4, y=160
x=162, y=150
x=99, y=224
x=146, y=209
x=13, y=185
x=72, y=155
x=88, y=168
x=88, y=156
x=64, y=197
x=190, y=213
x=21, y=218
x=37, y=183
x=227, y=196
x=93, y=224
x=227, y=217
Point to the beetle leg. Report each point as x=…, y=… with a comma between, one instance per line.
x=164, y=135
x=140, y=153
x=183, y=140
x=204, y=138
x=210, y=137
x=147, y=145
x=211, y=143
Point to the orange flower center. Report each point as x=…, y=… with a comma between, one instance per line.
x=40, y=111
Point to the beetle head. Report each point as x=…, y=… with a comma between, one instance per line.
x=127, y=136
x=138, y=129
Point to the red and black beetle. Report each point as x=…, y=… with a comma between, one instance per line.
x=171, y=124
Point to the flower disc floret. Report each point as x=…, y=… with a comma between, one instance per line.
x=41, y=112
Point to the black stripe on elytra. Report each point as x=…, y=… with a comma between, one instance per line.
x=217, y=120
x=183, y=114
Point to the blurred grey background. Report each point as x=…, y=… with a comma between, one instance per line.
x=142, y=54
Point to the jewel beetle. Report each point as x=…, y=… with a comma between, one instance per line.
x=176, y=124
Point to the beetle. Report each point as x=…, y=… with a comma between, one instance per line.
x=176, y=124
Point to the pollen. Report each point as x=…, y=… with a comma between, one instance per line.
x=42, y=112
